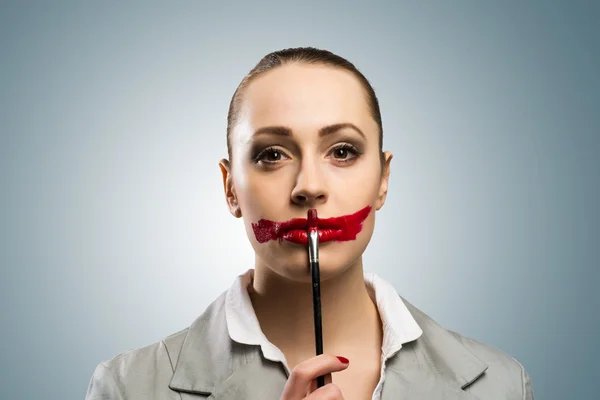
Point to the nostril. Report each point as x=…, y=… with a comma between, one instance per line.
x=305, y=197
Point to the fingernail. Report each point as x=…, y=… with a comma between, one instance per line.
x=343, y=359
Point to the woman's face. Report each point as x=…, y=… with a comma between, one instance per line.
x=284, y=163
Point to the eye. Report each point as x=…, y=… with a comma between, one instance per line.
x=345, y=153
x=270, y=155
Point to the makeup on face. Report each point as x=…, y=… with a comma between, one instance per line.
x=342, y=228
x=272, y=146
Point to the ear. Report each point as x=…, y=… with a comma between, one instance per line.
x=230, y=196
x=385, y=177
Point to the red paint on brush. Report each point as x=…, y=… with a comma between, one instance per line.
x=313, y=220
x=343, y=228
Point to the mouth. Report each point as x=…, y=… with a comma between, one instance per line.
x=343, y=228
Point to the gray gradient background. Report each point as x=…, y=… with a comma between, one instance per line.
x=113, y=120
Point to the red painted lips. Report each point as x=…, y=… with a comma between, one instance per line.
x=341, y=228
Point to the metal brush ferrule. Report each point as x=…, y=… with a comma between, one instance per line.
x=313, y=246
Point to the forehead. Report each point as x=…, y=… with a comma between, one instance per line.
x=306, y=97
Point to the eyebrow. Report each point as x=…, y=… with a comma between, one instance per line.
x=324, y=131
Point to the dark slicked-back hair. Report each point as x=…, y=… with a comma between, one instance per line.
x=301, y=55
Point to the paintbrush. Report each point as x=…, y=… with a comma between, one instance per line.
x=313, y=256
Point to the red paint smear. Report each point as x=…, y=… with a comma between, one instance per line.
x=342, y=228
x=313, y=220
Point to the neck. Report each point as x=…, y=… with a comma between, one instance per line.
x=285, y=313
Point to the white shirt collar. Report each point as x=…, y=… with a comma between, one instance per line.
x=399, y=326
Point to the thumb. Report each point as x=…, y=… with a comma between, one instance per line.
x=313, y=384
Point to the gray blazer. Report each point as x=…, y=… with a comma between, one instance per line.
x=202, y=362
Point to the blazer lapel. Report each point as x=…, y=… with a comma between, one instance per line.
x=419, y=386
x=435, y=366
x=212, y=365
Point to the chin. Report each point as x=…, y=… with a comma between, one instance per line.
x=291, y=260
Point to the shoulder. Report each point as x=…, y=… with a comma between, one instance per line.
x=486, y=370
x=146, y=372
x=162, y=354
x=504, y=372
x=132, y=372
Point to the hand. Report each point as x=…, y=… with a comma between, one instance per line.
x=302, y=383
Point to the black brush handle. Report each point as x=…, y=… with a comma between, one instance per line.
x=316, y=290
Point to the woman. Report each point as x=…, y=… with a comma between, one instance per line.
x=304, y=131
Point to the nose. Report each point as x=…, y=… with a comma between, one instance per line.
x=310, y=189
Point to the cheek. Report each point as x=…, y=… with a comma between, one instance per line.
x=257, y=192
x=360, y=183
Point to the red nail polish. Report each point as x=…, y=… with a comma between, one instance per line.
x=343, y=359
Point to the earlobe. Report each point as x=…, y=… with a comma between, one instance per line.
x=385, y=177
x=230, y=195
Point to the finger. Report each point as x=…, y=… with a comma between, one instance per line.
x=329, y=392
x=313, y=384
x=303, y=374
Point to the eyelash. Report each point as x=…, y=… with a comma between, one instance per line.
x=347, y=146
x=344, y=146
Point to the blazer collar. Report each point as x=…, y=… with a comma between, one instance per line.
x=436, y=365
